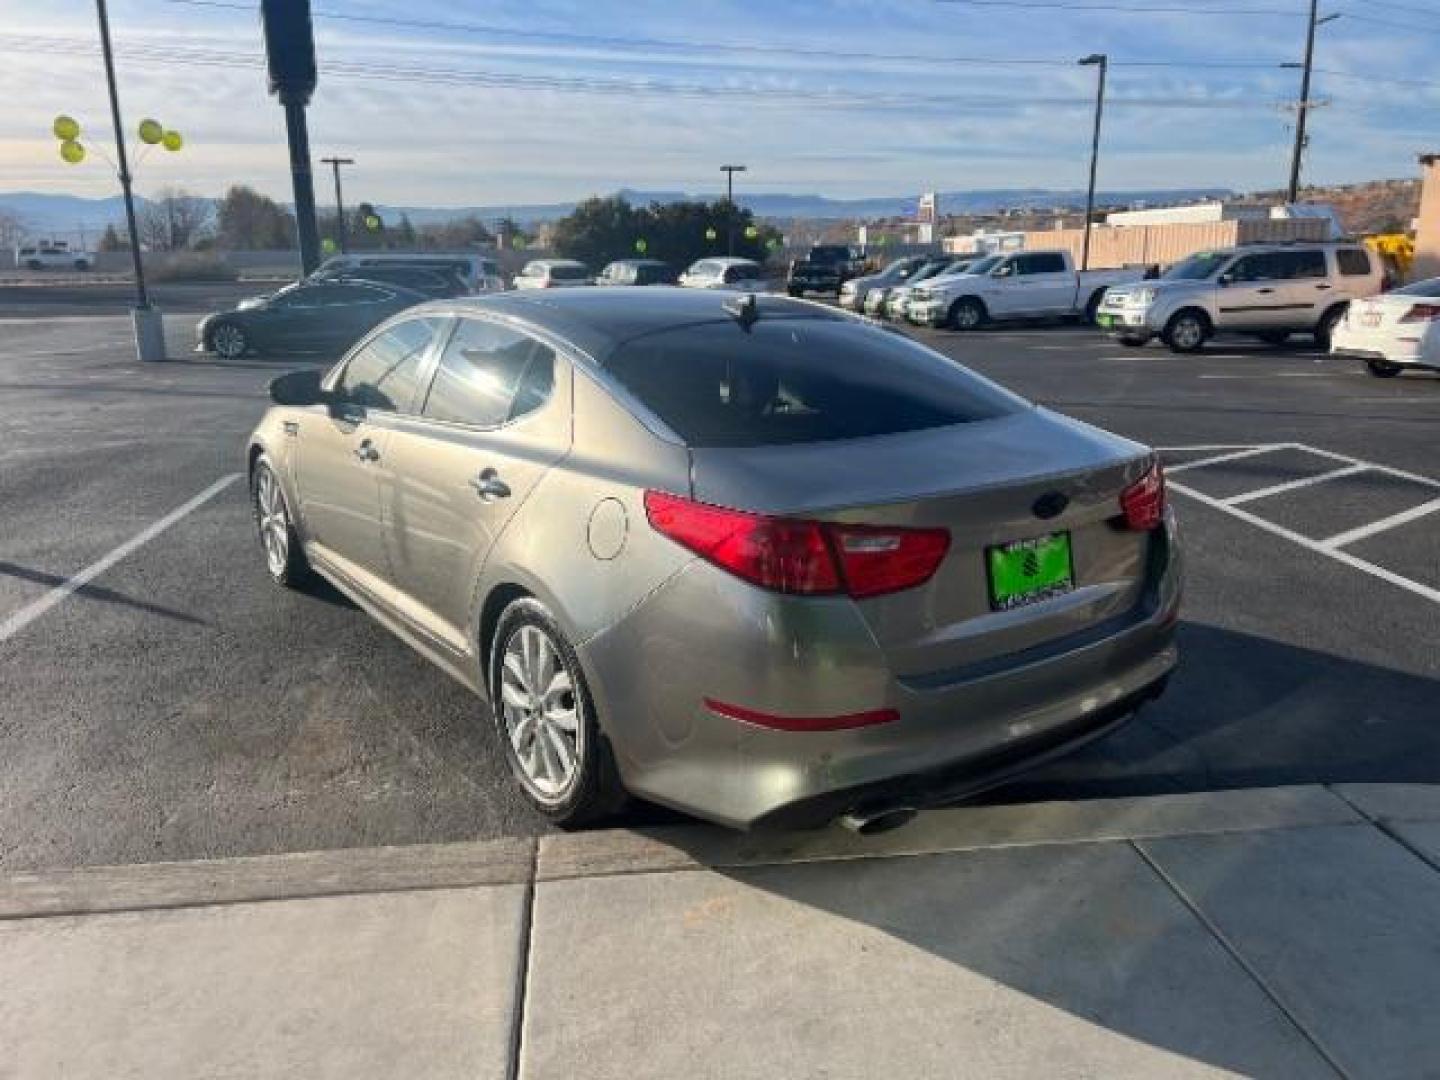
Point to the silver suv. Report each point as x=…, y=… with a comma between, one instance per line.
x=1268, y=291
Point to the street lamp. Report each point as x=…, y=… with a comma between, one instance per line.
x=1101, y=61
x=730, y=171
x=1303, y=113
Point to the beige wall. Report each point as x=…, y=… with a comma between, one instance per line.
x=1165, y=244
x=1427, y=239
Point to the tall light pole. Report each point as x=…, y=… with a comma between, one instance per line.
x=335, y=163
x=1101, y=61
x=730, y=171
x=1303, y=110
x=149, y=332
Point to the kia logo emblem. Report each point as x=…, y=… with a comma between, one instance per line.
x=1051, y=504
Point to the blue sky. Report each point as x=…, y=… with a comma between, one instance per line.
x=529, y=106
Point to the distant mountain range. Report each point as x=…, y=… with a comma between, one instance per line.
x=66, y=215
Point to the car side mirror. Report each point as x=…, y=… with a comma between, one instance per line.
x=1226, y=280
x=1002, y=271
x=298, y=389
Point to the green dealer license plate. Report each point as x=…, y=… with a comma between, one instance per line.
x=1028, y=571
x=1106, y=321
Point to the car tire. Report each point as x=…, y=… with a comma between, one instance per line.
x=1382, y=369
x=228, y=340
x=285, y=561
x=1325, y=330
x=1274, y=337
x=967, y=313
x=1187, y=331
x=795, y=293
x=528, y=643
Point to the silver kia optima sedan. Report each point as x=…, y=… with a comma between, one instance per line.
x=743, y=555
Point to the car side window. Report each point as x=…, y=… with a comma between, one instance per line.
x=385, y=372
x=1354, y=262
x=1041, y=264
x=489, y=375
x=1254, y=268
x=1301, y=264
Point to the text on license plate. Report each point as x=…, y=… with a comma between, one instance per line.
x=1028, y=571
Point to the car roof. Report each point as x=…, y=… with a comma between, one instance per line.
x=636, y=262
x=596, y=320
x=727, y=260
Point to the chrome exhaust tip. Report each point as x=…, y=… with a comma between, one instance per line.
x=873, y=821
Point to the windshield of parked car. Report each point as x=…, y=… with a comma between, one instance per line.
x=1199, y=267
x=799, y=380
x=569, y=273
x=1428, y=288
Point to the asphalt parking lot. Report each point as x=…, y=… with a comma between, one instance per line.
x=169, y=703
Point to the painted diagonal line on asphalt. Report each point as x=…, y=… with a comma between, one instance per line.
x=1415, y=513
x=28, y=614
x=1234, y=455
x=1294, y=485
x=1319, y=547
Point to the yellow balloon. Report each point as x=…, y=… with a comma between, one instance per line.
x=172, y=140
x=66, y=128
x=72, y=151
x=151, y=132
x=751, y=232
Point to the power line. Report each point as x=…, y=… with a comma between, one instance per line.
x=622, y=87
x=1433, y=11
x=736, y=47
x=1409, y=27
x=1139, y=9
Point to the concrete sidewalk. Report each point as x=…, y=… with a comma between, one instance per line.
x=1284, y=932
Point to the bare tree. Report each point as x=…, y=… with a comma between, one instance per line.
x=174, y=220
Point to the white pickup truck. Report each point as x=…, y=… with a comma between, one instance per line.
x=1021, y=285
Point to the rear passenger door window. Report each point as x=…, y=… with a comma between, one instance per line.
x=1353, y=262
x=489, y=375
x=1296, y=265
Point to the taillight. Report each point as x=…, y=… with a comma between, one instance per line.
x=1422, y=313
x=1144, y=501
x=803, y=557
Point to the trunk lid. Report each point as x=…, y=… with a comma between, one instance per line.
x=981, y=481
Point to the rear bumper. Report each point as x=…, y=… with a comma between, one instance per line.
x=705, y=635
x=1389, y=356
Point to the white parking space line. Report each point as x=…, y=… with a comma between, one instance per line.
x=1398, y=580
x=1236, y=455
x=28, y=614
x=1274, y=375
x=1391, y=522
x=1292, y=485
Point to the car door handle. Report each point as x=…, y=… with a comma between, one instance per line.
x=366, y=451
x=1324, y=285
x=489, y=486
x=1264, y=290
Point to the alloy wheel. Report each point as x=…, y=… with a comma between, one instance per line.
x=1187, y=333
x=228, y=341
x=273, y=522
x=541, y=711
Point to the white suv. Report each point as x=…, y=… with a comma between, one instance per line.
x=56, y=256
x=553, y=274
x=1268, y=291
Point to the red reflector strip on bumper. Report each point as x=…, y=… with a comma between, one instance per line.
x=802, y=723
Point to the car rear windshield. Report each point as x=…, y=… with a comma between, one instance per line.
x=799, y=381
x=568, y=273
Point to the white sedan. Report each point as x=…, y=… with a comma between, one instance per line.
x=1394, y=330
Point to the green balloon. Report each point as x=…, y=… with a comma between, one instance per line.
x=372, y=223
x=66, y=128
x=711, y=234
x=328, y=246
x=72, y=152
x=751, y=232
x=641, y=246
x=172, y=140
x=151, y=132
x=880, y=241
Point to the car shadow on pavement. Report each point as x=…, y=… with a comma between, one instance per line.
x=91, y=591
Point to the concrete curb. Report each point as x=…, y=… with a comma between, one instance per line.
x=95, y=890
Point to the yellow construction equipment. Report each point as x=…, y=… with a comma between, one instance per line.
x=1396, y=251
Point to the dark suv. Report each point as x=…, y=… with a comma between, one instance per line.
x=825, y=269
